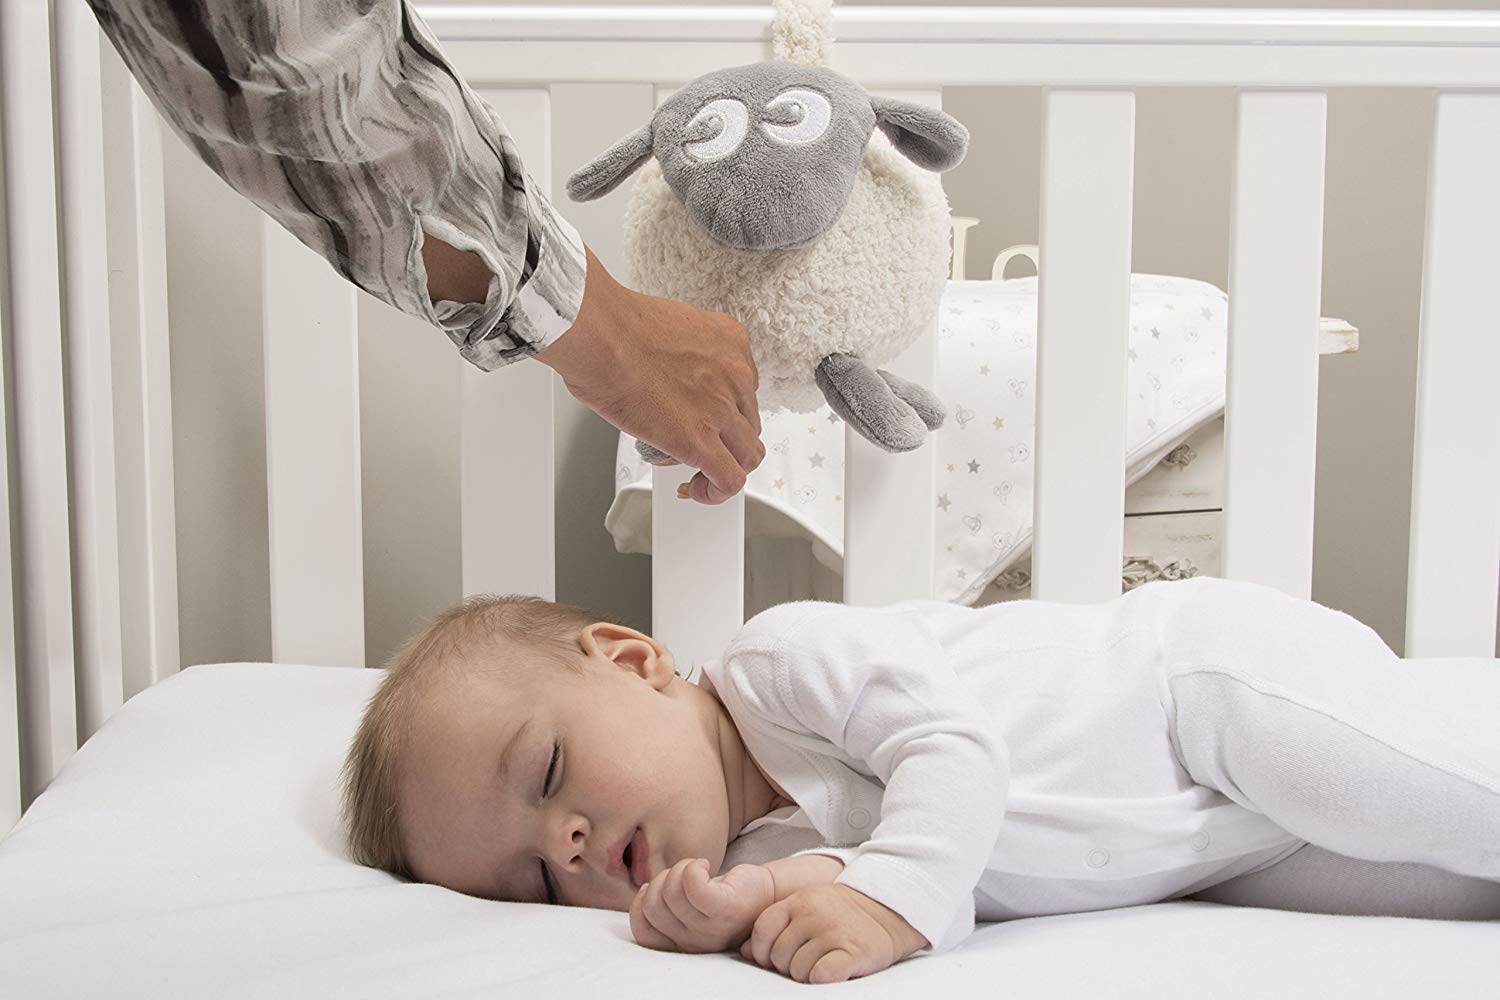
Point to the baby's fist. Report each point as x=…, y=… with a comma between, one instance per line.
x=829, y=933
x=683, y=908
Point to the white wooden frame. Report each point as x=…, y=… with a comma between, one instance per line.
x=91, y=544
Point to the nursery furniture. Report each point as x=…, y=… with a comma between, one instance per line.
x=794, y=523
x=1172, y=514
x=191, y=847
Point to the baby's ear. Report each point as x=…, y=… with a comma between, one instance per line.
x=630, y=650
x=930, y=138
x=601, y=176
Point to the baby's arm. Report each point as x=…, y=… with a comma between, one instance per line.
x=768, y=911
x=820, y=931
x=875, y=685
x=802, y=870
x=683, y=908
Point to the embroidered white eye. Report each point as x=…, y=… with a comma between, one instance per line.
x=815, y=115
x=733, y=121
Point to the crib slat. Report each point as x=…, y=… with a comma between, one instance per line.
x=1083, y=315
x=697, y=562
x=506, y=472
x=10, y=708
x=1455, y=508
x=42, y=571
x=1275, y=295
x=889, y=500
x=135, y=225
x=91, y=417
x=312, y=457
x=697, y=570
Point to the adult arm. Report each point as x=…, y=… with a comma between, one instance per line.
x=344, y=121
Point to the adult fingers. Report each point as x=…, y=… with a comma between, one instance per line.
x=734, y=332
x=750, y=410
x=745, y=446
x=721, y=477
x=641, y=929
x=740, y=431
x=746, y=399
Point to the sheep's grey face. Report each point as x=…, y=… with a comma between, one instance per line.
x=764, y=156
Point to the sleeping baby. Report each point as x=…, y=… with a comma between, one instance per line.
x=849, y=786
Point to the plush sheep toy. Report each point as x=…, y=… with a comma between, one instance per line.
x=772, y=197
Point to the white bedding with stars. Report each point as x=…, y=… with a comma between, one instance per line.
x=987, y=380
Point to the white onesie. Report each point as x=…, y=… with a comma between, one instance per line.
x=997, y=762
x=1031, y=757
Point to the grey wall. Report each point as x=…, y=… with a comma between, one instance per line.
x=218, y=414
x=1376, y=190
x=1377, y=153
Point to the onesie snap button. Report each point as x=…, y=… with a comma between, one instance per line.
x=859, y=818
x=1200, y=840
x=1097, y=858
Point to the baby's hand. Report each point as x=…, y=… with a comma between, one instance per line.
x=683, y=909
x=829, y=933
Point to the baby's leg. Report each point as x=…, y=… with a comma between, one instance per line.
x=1302, y=714
x=1313, y=880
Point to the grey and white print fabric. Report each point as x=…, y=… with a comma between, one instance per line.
x=343, y=121
x=986, y=469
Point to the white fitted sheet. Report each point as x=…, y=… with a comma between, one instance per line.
x=190, y=849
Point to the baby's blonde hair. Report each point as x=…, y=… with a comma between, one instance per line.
x=505, y=623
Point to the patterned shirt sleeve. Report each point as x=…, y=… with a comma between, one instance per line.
x=344, y=122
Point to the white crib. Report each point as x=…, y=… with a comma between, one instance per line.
x=88, y=612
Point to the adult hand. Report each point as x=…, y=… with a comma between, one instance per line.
x=676, y=377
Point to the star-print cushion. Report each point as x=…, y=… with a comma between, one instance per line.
x=987, y=379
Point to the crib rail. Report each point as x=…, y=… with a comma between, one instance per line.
x=88, y=613
x=918, y=46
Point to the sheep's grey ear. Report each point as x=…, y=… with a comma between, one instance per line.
x=609, y=168
x=925, y=136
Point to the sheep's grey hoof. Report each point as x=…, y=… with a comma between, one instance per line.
x=653, y=455
x=869, y=403
x=921, y=399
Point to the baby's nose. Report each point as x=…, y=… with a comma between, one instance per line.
x=574, y=847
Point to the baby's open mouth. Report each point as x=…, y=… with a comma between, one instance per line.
x=636, y=858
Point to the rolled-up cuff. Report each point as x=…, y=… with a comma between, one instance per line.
x=548, y=301
x=499, y=330
x=506, y=327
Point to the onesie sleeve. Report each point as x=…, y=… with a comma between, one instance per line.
x=344, y=121
x=875, y=684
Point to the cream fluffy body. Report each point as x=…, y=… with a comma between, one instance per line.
x=868, y=286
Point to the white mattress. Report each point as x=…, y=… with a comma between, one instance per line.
x=190, y=850
x=987, y=380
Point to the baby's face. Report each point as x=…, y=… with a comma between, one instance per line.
x=513, y=768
